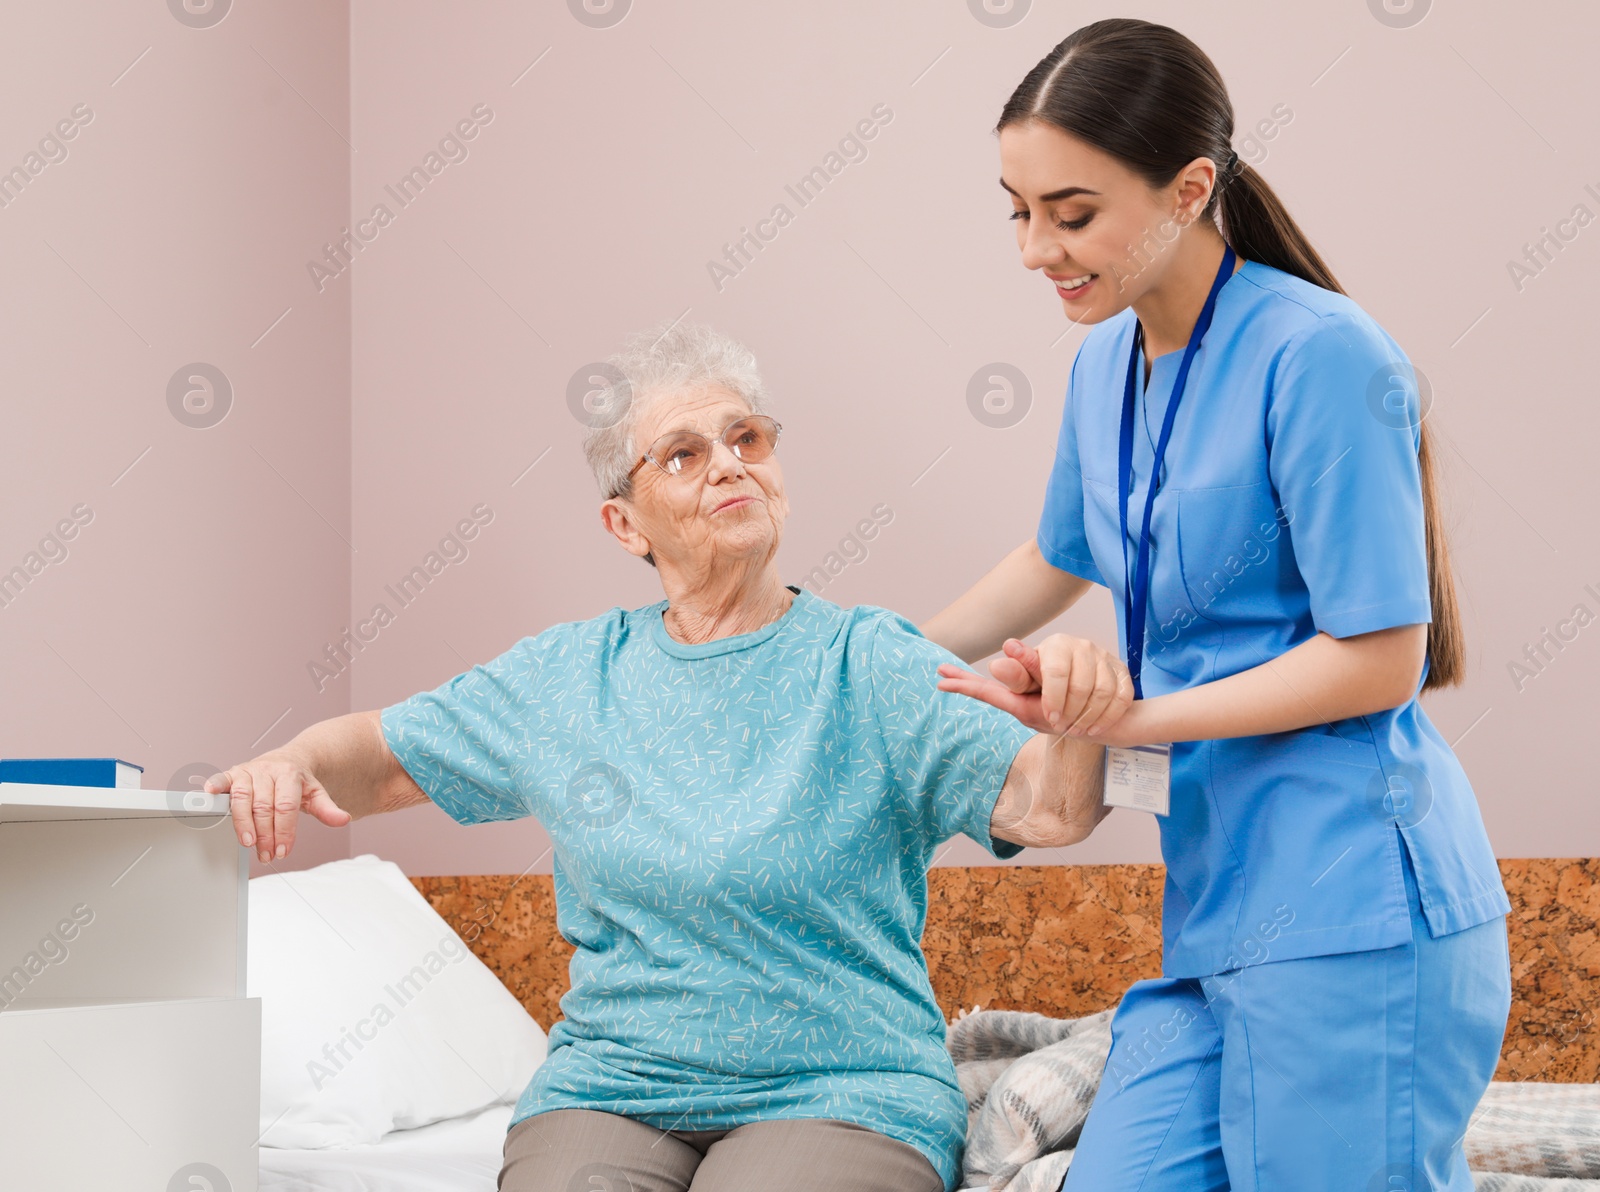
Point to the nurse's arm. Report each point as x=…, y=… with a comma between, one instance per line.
x=1321, y=680
x=1053, y=793
x=1020, y=595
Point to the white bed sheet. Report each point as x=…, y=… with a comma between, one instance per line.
x=459, y=1155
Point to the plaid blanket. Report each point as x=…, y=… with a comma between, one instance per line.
x=1029, y=1080
x=1546, y=1130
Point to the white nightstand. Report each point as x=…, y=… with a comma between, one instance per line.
x=130, y=1057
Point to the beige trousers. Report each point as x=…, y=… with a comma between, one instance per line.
x=586, y=1150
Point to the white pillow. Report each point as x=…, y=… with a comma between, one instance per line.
x=375, y=1016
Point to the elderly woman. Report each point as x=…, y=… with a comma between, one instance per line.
x=744, y=784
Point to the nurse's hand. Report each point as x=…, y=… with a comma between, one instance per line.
x=1068, y=685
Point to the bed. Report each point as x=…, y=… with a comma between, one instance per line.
x=1058, y=942
x=1525, y=1125
x=456, y=1155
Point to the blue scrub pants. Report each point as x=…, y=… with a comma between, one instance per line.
x=1348, y=1073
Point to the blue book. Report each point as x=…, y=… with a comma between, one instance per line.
x=72, y=771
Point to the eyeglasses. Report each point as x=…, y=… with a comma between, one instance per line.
x=684, y=453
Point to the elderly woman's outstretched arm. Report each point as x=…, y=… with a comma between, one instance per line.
x=1053, y=794
x=336, y=770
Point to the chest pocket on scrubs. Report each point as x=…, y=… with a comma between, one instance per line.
x=1235, y=556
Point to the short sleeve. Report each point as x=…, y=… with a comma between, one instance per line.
x=1343, y=424
x=465, y=742
x=949, y=753
x=1062, y=537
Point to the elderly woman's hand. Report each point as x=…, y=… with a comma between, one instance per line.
x=267, y=794
x=1068, y=685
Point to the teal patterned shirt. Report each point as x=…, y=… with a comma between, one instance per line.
x=742, y=830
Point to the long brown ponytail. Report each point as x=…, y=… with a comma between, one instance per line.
x=1148, y=96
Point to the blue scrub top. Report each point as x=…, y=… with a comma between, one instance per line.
x=1290, y=502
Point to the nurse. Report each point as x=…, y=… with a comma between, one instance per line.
x=1243, y=462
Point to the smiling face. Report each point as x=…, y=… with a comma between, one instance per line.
x=1082, y=213
x=731, y=511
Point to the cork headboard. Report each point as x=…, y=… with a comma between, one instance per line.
x=1068, y=940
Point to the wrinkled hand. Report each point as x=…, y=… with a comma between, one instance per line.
x=267, y=794
x=1069, y=685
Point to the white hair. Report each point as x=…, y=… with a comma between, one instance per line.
x=666, y=360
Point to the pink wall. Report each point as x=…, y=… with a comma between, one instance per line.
x=607, y=167
x=173, y=629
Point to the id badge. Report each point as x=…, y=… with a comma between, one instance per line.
x=1139, y=776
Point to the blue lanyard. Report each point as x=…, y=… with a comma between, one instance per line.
x=1134, y=599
